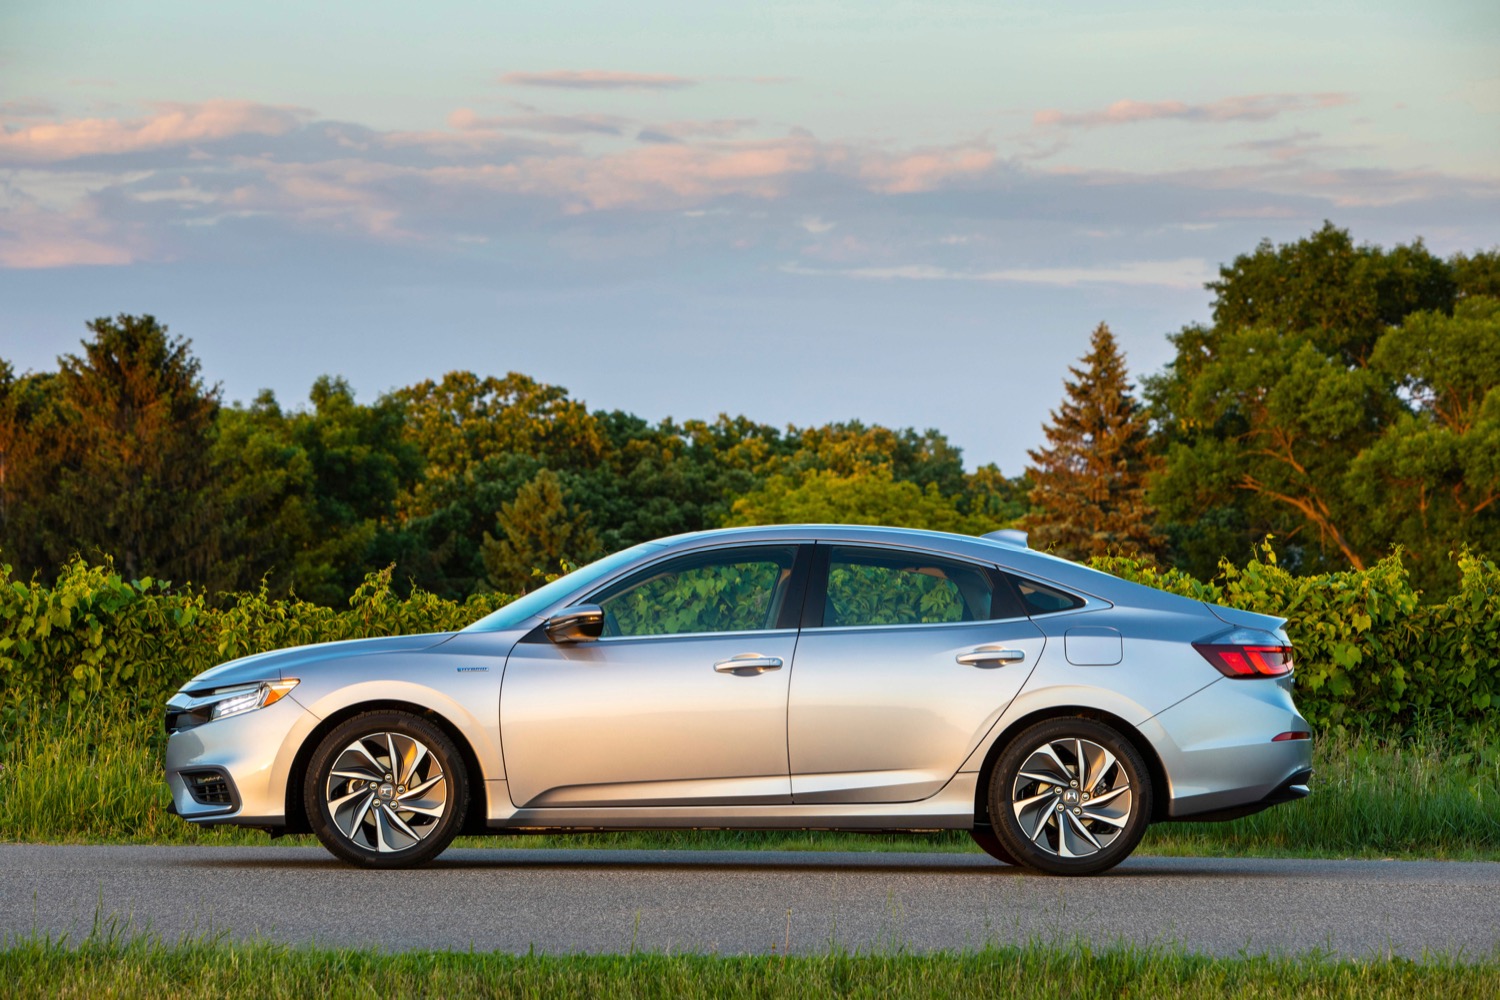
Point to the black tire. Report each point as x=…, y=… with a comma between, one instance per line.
x=990, y=844
x=1049, y=825
x=363, y=810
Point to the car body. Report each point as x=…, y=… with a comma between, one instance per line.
x=785, y=677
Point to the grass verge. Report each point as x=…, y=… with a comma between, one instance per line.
x=105, y=964
x=90, y=776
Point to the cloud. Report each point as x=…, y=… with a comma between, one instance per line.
x=172, y=125
x=35, y=237
x=1186, y=272
x=26, y=108
x=1248, y=107
x=597, y=79
x=465, y=119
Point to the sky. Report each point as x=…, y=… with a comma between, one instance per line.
x=911, y=214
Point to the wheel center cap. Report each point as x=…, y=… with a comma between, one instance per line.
x=387, y=790
x=1070, y=796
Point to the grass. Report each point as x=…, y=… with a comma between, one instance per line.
x=89, y=776
x=111, y=964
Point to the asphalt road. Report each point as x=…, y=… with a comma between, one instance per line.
x=739, y=902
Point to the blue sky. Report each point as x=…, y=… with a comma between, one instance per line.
x=911, y=214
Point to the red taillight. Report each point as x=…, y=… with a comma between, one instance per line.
x=1237, y=660
x=1295, y=735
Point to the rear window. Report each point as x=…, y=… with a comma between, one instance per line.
x=1040, y=599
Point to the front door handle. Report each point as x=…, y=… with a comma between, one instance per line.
x=990, y=656
x=745, y=664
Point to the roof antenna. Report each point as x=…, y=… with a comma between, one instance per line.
x=1008, y=536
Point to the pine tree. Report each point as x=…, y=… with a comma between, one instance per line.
x=1089, y=497
x=537, y=532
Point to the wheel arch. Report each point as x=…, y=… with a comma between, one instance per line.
x=296, y=811
x=1160, y=789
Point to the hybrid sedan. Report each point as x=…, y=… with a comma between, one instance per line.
x=790, y=677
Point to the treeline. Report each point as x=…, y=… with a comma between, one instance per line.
x=1344, y=399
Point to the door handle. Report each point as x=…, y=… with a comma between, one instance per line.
x=990, y=656
x=745, y=664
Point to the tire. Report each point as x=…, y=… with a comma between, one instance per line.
x=1042, y=811
x=371, y=815
x=990, y=844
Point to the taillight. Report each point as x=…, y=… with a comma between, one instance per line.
x=1251, y=656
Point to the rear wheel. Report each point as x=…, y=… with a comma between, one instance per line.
x=1070, y=797
x=386, y=790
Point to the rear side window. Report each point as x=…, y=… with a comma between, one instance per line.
x=888, y=587
x=1041, y=599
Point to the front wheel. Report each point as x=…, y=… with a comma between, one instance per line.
x=386, y=790
x=1070, y=797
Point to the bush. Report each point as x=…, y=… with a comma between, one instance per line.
x=94, y=634
x=1368, y=651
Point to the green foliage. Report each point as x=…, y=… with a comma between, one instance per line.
x=712, y=597
x=538, y=535
x=96, y=636
x=1368, y=651
x=866, y=495
x=876, y=594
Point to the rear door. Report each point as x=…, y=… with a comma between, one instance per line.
x=905, y=662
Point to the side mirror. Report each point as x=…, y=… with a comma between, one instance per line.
x=580, y=623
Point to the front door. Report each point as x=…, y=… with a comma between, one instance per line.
x=907, y=664
x=681, y=702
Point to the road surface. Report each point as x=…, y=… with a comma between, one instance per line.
x=564, y=901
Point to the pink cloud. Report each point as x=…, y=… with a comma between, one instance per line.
x=1248, y=107
x=465, y=119
x=926, y=169
x=32, y=237
x=172, y=125
x=597, y=79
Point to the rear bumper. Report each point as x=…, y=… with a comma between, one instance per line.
x=1290, y=790
x=1218, y=751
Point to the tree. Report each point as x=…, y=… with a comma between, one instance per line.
x=1089, y=497
x=1431, y=482
x=111, y=455
x=538, y=532
x=868, y=495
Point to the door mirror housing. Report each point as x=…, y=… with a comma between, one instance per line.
x=580, y=623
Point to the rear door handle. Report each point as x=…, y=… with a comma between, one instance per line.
x=990, y=656
x=745, y=664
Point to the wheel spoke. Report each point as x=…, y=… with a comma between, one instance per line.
x=390, y=746
x=1046, y=779
x=434, y=811
x=1107, y=796
x=356, y=775
x=416, y=760
x=359, y=816
x=358, y=747
x=419, y=789
x=400, y=824
x=1118, y=822
x=1077, y=825
x=1097, y=773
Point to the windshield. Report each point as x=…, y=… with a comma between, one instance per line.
x=534, y=603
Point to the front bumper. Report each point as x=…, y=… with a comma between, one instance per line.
x=251, y=753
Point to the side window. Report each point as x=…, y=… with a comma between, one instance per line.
x=887, y=587
x=729, y=590
x=1041, y=599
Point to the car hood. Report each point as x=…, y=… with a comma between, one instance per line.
x=278, y=663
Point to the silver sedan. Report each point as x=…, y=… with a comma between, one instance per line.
x=791, y=677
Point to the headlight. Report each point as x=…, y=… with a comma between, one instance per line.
x=238, y=700
x=185, y=711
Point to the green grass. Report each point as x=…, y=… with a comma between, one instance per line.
x=89, y=776
x=107, y=964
